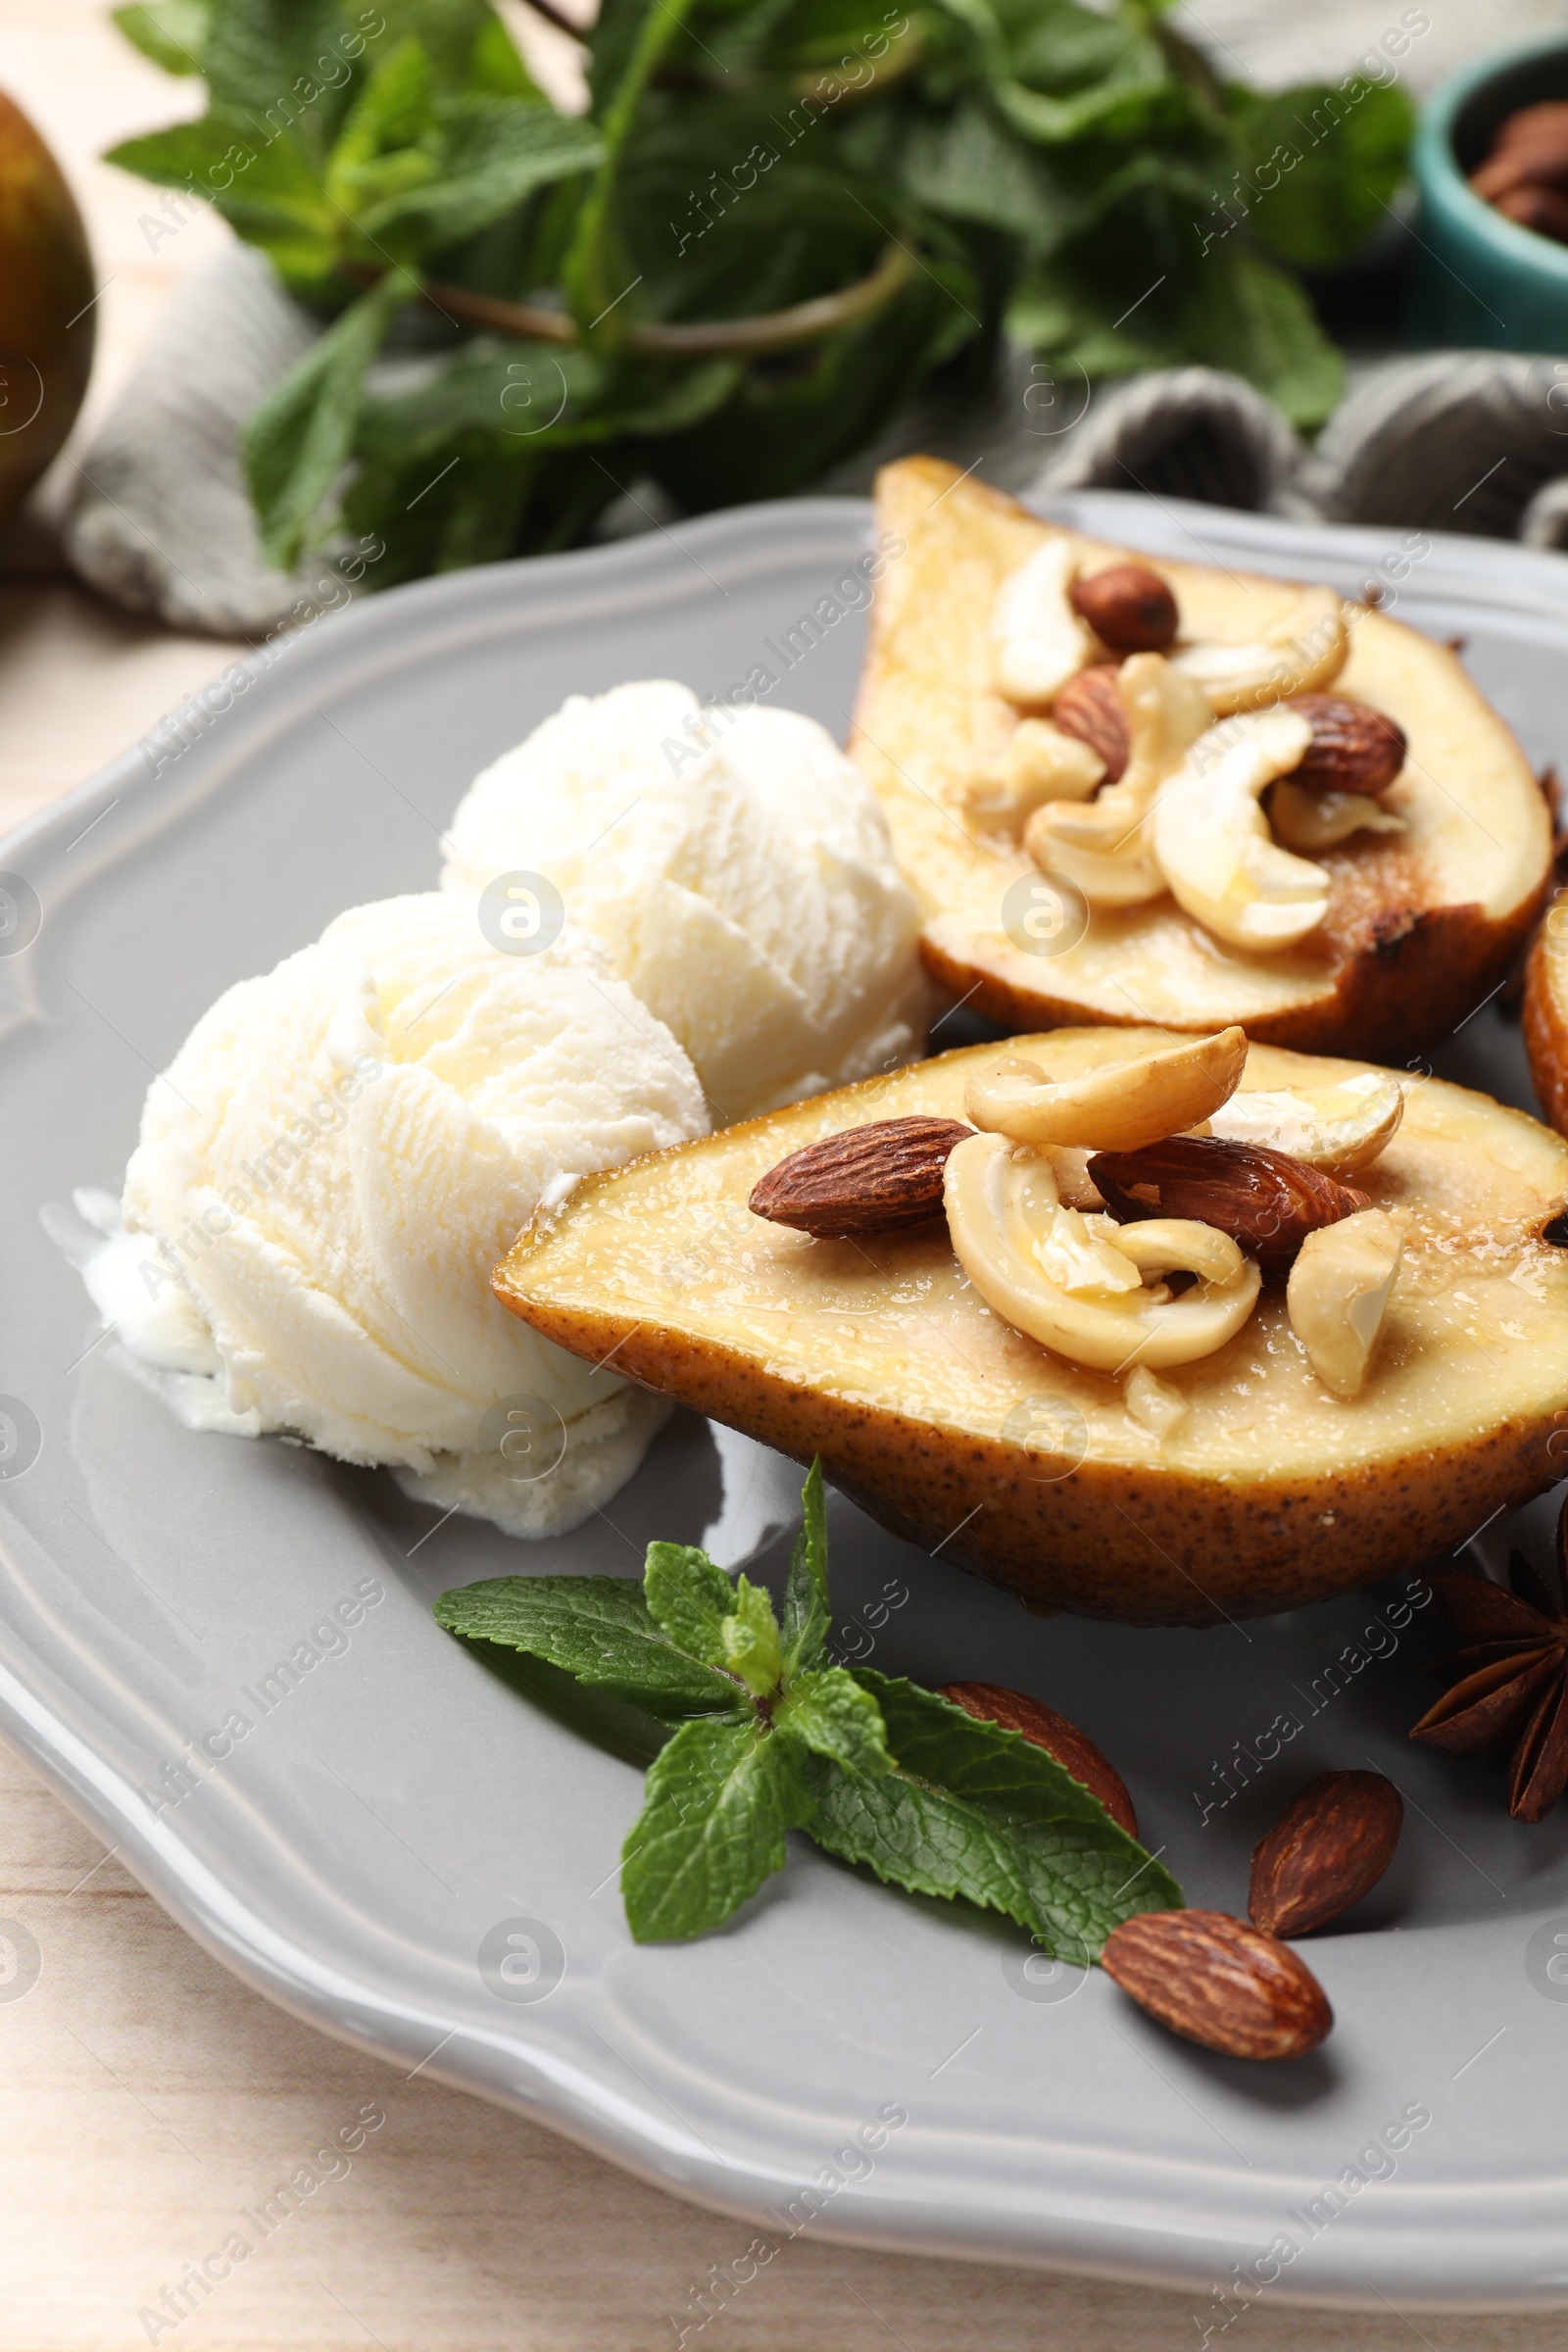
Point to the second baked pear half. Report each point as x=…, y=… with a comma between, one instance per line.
x=1130, y=791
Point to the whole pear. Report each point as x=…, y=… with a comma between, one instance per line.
x=46, y=331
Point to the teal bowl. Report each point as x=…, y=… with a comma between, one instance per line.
x=1481, y=279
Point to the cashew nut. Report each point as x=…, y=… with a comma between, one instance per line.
x=1340, y=1129
x=1212, y=841
x=1303, y=652
x=1104, y=847
x=1337, y=1294
x=1039, y=764
x=1153, y=1401
x=1040, y=640
x=1308, y=821
x=1120, y=1106
x=1006, y=1223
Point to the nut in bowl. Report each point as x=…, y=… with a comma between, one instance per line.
x=1273, y=1377
x=1273, y=808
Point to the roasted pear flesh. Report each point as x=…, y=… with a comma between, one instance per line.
x=955, y=1430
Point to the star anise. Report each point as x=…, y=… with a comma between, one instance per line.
x=1513, y=1678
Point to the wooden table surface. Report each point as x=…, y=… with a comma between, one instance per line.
x=145, y=2095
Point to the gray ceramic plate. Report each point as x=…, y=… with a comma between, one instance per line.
x=406, y=1852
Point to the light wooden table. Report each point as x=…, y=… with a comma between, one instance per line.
x=145, y=2096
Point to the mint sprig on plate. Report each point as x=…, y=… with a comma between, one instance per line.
x=766, y=1736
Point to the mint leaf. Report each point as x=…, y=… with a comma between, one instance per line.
x=172, y=33
x=691, y=1597
x=298, y=441
x=282, y=61
x=829, y=1713
x=975, y=1811
x=599, y=1629
x=493, y=153
x=750, y=1639
x=720, y=1796
x=1320, y=166
x=1248, y=315
x=265, y=192
x=807, y=1617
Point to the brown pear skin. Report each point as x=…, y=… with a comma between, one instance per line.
x=46, y=327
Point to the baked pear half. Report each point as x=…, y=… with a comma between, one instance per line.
x=1361, y=897
x=1263, y=1470
x=1545, y=1012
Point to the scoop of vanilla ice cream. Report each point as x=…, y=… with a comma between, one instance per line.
x=737, y=867
x=336, y=1159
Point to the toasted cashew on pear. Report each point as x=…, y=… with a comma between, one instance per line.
x=1103, y=846
x=1337, y=1294
x=1040, y=641
x=1340, y=1129
x=1007, y=1227
x=1134, y=1103
x=1212, y=841
x=1305, y=651
x=1309, y=821
x=1039, y=764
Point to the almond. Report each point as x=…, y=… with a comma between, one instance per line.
x=1263, y=1200
x=1090, y=707
x=1354, y=748
x=1326, y=1851
x=862, y=1179
x=1219, y=1981
x=1545, y=210
x=1129, y=607
x=1062, y=1740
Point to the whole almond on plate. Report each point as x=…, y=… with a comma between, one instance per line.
x=862, y=1179
x=1263, y=1198
x=1217, y=1981
x=1062, y=1740
x=1354, y=748
x=1327, y=1849
x=1090, y=707
x=1129, y=607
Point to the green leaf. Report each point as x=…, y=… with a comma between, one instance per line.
x=828, y=1712
x=459, y=37
x=495, y=66
x=1247, y=316
x=971, y=1810
x=808, y=1613
x=298, y=442
x=494, y=153
x=597, y=1628
x=1319, y=167
x=266, y=191
x=691, y=1597
x=285, y=64
x=971, y=165
x=750, y=1637
x=719, y=1798
x=172, y=33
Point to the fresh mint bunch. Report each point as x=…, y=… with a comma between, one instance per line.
x=766, y=1736
x=1076, y=174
